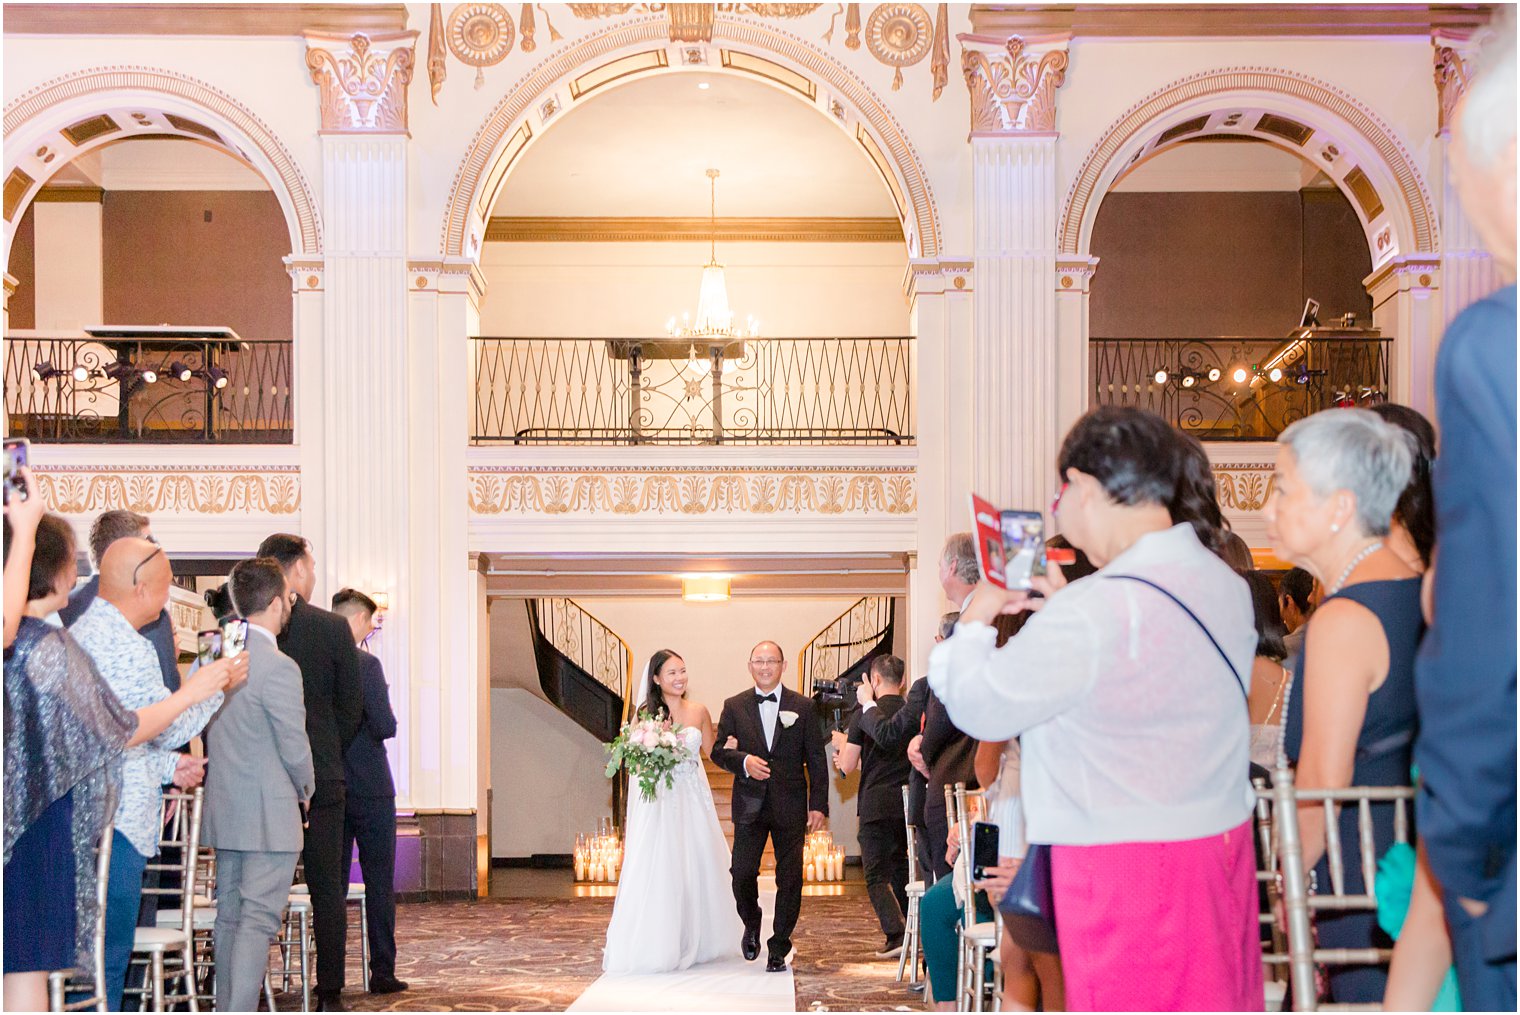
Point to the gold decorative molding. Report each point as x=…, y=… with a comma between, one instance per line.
x=939, y=64
x=1243, y=487
x=480, y=35
x=113, y=83
x=235, y=19
x=214, y=491
x=1451, y=73
x=1212, y=20
x=363, y=81
x=1255, y=86
x=566, y=229
x=899, y=35
x=691, y=22
x=1074, y=274
x=692, y=491
x=480, y=171
x=69, y=195
x=438, y=52
x=1013, y=91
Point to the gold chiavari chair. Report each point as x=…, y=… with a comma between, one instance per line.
x=1300, y=903
x=155, y=947
x=63, y=982
x=980, y=940
x=909, y=962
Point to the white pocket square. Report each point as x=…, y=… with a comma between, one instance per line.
x=787, y=718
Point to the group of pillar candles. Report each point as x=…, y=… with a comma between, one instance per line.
x=822, y=860
x=599, y=855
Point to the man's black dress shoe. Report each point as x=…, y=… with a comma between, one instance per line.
x=330, y=1002
x=386, y=985
x=750, y=944
x=775, y=964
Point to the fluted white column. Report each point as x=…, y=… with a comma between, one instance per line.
x=1015, y=382
x=364, y=477
x=1467, y=270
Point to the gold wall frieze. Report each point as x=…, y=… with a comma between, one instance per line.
x=148, y=490
x=235, y=19
x=1243, y=487
x=653, y=229
x=692, y=491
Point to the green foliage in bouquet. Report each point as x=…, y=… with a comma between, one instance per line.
x=649, y=750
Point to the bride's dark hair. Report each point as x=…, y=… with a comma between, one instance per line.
x=654, y=701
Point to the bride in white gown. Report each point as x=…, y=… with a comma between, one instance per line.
x=675, y=906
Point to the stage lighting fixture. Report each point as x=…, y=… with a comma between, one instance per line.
x=217, y=378
x=81, y=374
x=1214, y=374
x=1275, y=375
x=1189, y=379
x=180, y=372
x=1161, y=376
x=45, y=371
x=1240, y=375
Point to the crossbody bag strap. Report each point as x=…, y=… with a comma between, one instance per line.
x=1201, y=626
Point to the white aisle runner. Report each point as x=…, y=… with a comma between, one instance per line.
x=725, y=985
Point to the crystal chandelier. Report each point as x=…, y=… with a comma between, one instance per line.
x=714, y=322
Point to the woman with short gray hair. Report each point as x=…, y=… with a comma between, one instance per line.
x=1350, y=714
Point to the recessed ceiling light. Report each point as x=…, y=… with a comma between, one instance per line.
x=703, y=85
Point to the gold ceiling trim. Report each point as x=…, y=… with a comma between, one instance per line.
x=519, y=140
x=70, y=195
x=652, y=229
x=202, y=19
x=616, y=70
x=1189, y=20
x=771, y=71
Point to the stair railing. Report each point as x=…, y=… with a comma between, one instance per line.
x=857, y=634
x=596, y=649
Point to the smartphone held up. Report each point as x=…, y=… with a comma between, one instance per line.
x=1010, y=545
x=17, y=455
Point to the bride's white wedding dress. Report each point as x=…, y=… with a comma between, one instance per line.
x=675, y=907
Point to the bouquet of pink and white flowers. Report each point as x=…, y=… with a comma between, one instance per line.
x=649, y=750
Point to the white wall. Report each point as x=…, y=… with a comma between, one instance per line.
x=546, y=777
x=69, y=286
x=629, y=290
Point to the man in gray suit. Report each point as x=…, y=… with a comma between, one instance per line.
x=258, y=782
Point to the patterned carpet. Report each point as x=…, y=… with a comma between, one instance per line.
x=540, y=954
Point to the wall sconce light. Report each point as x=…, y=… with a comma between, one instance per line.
x=705, y=588
x=382, y=607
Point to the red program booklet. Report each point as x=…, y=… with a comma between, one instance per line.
x=988, y=533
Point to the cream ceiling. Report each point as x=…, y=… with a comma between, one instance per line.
x=159, y=164
x=643, y=149
x=1223, y=166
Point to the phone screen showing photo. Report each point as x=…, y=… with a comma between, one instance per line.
x=15, y=457
x=234, y=637
x=1023, y=546
x=208, y=646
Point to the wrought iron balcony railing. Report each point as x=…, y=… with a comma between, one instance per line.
x=170, y=390
x=657, y=391
x=1240, y=389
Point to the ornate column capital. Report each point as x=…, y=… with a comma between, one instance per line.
x=1453, y=52
x=1418, y=273
x=1074, y=274
x=932, y=276
x=1013, y=83
x=363, y=80
x=305, y=273
x=11, y=283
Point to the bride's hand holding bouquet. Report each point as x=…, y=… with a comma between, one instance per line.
x=649, y=750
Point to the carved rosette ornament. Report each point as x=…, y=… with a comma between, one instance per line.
x=363, y=80
x=481, y=36
x=899, y=35
x=1013, y=92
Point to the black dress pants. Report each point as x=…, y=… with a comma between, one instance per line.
x=371, y=821
x=884, y=854
x=327, y=878
x=787, y=837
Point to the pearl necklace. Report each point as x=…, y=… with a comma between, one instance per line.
x=1367, y=551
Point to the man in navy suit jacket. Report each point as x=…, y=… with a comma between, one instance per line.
x=1465, y=679
x=370, y=805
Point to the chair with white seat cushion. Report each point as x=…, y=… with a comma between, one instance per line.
x=168, y=952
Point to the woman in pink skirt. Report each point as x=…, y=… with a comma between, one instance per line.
x=1126, y=689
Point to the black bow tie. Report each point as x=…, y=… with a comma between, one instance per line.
x=766, y=697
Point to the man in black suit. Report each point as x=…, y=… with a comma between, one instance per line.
x=323, y=646
x=1465, y=674
x=772, y=742
x=370, y=808
x=879, y=804
x=903, y=729
x=949, y=757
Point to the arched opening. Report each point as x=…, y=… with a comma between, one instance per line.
x=1214, y=211
x=151, y=227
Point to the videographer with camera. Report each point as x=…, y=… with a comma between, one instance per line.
x=884, y=772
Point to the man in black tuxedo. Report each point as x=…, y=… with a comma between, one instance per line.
x=772, y=742
x=322, y=644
